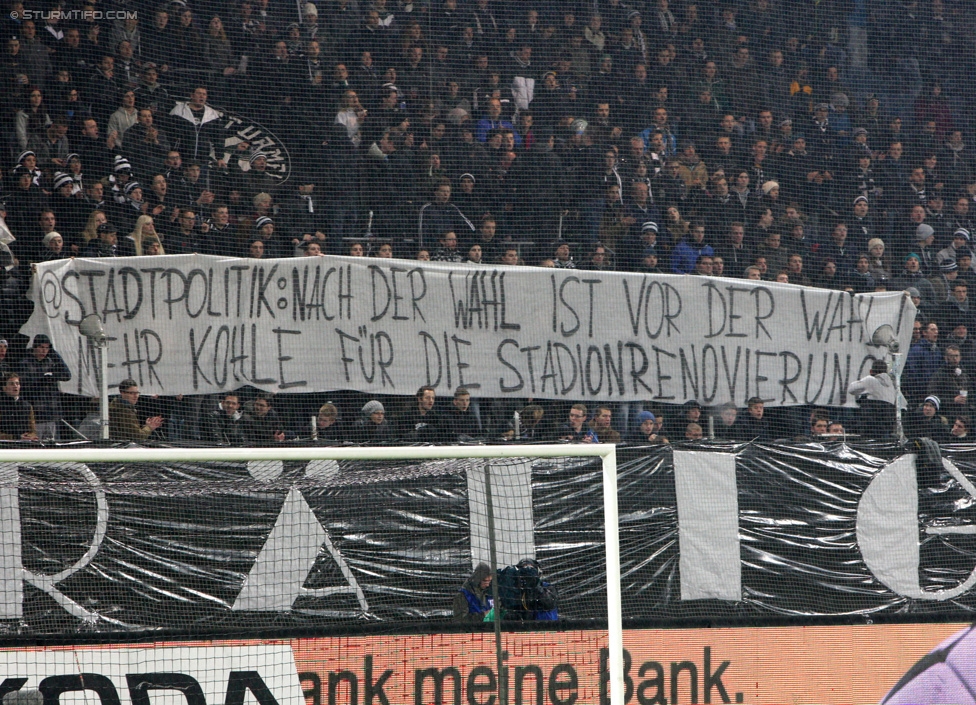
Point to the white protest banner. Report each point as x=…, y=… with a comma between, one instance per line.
x=194, y=324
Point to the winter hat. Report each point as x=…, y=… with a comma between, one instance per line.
x=875, y=241
x=911, y=255
x=649, y=225
x=934, y=401
x=262, y=221
x=310, y=9
x=645, y=416
x=372, y=407
x=107, y=228
x=821, y=106
x=948, y=265
x=50, y=236
x=859, y=199
x=61, y=179
x=40, y=339
x=912, y=291
x=769, y=186
x=122, y=164
x=464, y=176
x=254, y=157
x=961, y=232
x=131, y=186
x=924, y=231
x=24, y=155
x=73, y=155
x=859, y=131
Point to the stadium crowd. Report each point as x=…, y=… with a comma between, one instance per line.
x=825, y=144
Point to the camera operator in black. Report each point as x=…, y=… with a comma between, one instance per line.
x=525, y=595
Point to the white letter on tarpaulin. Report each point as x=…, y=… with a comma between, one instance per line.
x=708, y=525
x=888, y=532
x=511, y=495
x=287, y=557
x=11, y=567
x=12, y=571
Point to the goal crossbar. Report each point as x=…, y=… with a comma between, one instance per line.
x=606, y=452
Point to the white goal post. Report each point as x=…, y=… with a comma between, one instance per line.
x=606, y=452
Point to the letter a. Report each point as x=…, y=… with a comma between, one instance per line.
x=284, y=562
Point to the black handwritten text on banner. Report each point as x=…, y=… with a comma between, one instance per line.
x=192, y=324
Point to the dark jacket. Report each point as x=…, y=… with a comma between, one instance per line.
x=417, y=428
x=40, y=384
x=934, y=427
x=462, y=424
x=567, y=433
x=226, y=430
x=751, y=428
x=365, y=431
x=261, y=430
x=97, y=247
x=946, y=385
x=16, y=418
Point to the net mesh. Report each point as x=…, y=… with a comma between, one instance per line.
x=717, y=532
x=594, y=135
x=211, y=547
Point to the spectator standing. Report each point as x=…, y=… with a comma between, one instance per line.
x=196, y=126
x=924, y=359
x=877, y=401
x=6, y=367
x=441, y=216
x=40, y=373
x=951, y=383
x=473, y=601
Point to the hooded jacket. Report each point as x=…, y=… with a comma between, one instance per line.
x=196, y=138
x=472, y=602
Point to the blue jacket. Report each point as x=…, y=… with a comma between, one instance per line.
x=485, y=125
x=686, y=254
x=475, y=605
x=924, y=360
